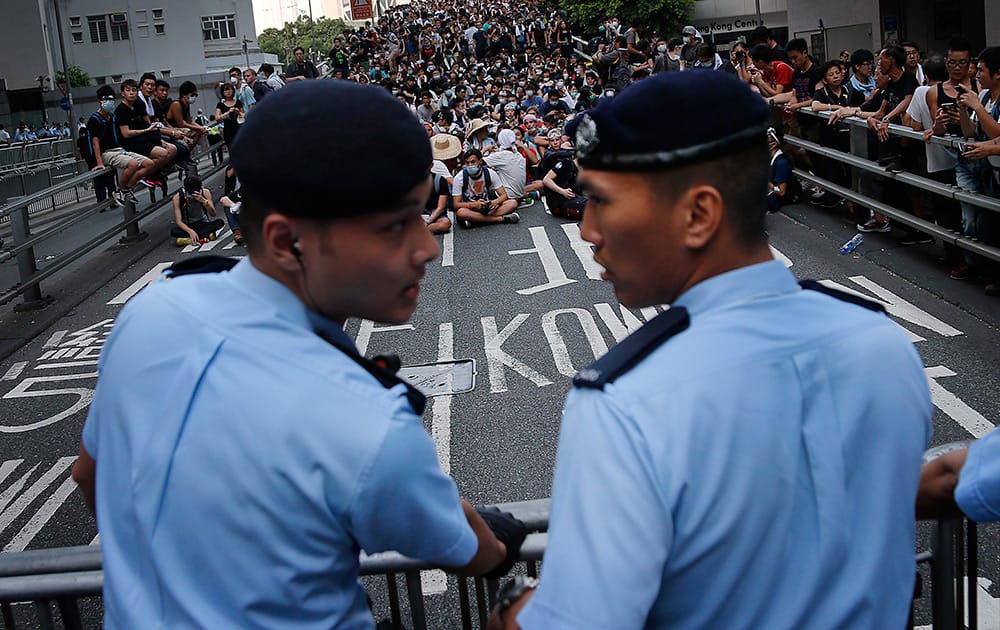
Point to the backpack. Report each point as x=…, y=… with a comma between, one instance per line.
x=621, y=75
x=100, y=119
x=486, y=176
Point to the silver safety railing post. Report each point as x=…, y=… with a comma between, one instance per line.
x=26, y=267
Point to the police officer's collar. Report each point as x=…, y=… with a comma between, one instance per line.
x=738, y=285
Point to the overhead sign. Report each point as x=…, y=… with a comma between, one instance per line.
x=361, y=10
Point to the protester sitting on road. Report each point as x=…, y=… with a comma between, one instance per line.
x=102, y=129
x=509, y=165
x=194, y=214
x=478, y=138
x=341, y=462
x=232, y=201
x=562, y=194
x=727, y=465
x=479, y=196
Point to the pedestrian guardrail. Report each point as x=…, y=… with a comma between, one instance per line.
x=50, y=580
x=25, y=155
x=24, y=241
x=858, y=160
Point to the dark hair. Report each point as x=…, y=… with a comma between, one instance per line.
x=897, y=54
x=188, y=87
x=831, y=64
x=621, y=41
x=742, y=188
x=798, y=44
x=759, y=34
x=990, y=57
x=675, y=43
x=472, y=152
x=706, y=50
x=910, y=44
x=161, y=83
x=105, y=91
x=129, y=83
x=860, y=56
x=266, y=68
x=761, y=52
x=959, y=44
x=297, y=49
x=935, y=68
x=192, y=184
x=234, y=69
x=147, y=75
x=224, y=87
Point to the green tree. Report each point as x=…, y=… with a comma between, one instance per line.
x=663, y=16
x=312, y=35
x=77, y=77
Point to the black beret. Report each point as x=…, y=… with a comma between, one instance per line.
x=325, y=149
x=669, y=119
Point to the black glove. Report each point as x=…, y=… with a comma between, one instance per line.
x=508, y=530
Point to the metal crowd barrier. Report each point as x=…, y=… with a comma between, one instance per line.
x=858, y=160
x=21, y=155
x=17, y=212
x=50, y=580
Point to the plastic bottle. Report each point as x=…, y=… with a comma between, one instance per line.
x=851, y=245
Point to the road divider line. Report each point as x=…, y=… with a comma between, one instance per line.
x=138, y=285
x=209, y=246
x=17, y=507
x=448, y=243
x=953, y=406
x=41, y=517
x=14, y=371
x=6, y=468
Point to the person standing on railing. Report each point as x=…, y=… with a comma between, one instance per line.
x=237, y=476
x=728, y=465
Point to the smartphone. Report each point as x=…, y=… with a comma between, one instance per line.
x=963, y=148
x=949, y=107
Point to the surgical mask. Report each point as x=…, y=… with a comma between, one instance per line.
x=108, y=106
x=662, y=48
x=435, y=76
x=529, y=92
x=474, y=171
x=192, y=100
x=233, y=79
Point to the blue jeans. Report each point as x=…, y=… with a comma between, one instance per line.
x=974, y=176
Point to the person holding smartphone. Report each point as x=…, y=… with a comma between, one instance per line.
x=194, y=214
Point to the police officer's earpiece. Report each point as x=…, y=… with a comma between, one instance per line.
x=297, y=251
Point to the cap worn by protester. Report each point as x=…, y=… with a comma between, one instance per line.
x=689, y=30
x=339, y=114
x=657, y=122
x=445, y=146
x=506, y=138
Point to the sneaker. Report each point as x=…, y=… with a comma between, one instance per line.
x=118, y=197
x=526, y=202
x=182, y=241
x=465, y=223
x=874, y=225
x=826, y=200
x=513, y=217
x=129, y=196
x=961, y=272
x=916, y=239
x=238, y=237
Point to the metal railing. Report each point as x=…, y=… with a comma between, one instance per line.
x=858, y=160
x=24, y=241
x=25, y=155
x=54, y=579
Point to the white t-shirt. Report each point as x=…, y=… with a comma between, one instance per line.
x=511, y=169
x=476, y=189
x=939, y=158
x=4, y=136
x=994, y=160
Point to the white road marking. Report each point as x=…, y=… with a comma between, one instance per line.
x=21, y=390
x=6, y=468
x=14, y=371
x=367, y=328
x=22, y=501
x=448, y=243
x=71, y=364
x=497, y=359
x=139, y=284
x=987, y=606
x=583, y=250
x=7, y=495
x=54, y=340
x=560, y=353
x=219, y=237
x=953, y=406
x=620, y=328
x=785, y=260
x=231, y=245
x=554, y=271
x=42, y=516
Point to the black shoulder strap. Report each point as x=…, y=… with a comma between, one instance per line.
x=381, y=368
x=871, y=305
x=633, y=349
x=201, y=264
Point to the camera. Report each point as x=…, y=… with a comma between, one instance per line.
x=741, y=56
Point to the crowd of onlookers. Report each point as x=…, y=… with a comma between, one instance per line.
x=27, y=133
x=493, y=84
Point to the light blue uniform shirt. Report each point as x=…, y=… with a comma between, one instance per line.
x=978, y=491
x=242, y=462
x=757, y=470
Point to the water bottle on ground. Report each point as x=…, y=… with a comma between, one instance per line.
x=851, y=245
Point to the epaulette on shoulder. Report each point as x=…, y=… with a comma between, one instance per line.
x=201, y=264
x=871, y=305
x=633, y=349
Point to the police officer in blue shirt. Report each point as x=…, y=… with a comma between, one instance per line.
x=963, y=482
x=749, y=457
x=239, y=452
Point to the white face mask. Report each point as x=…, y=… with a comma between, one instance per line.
x=192, y=100
x=661, y=49
x=233, y=80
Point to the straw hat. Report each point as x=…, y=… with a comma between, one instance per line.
x=445, y=146
x=478, y=124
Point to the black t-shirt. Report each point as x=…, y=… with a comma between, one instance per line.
x=826, y=95
x=134, y=119
x=804, y=82
x=439, y=187
x=104, y=130
x=898, y=90
x=305, y=69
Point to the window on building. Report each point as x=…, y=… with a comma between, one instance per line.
x=75, y=21
x=116, y=78
x=165, y=74
x=141, y=16
x=219, y=26
x=157, y=14
x=77, y=37
x=119, y=26
x=159, y=29
x=98, y=28
x=142, y=30
x=100, y=80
